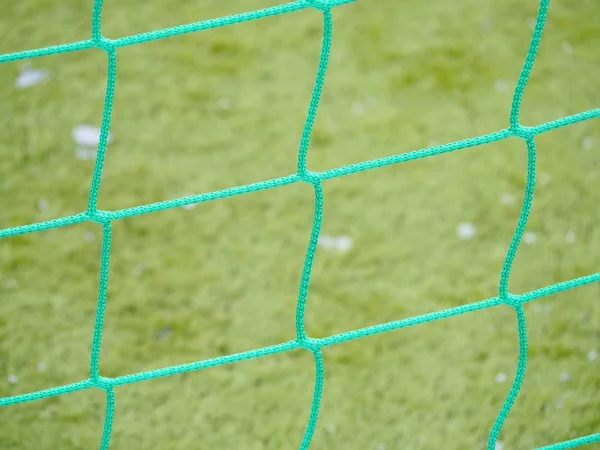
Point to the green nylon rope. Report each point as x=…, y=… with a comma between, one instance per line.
x=105, y=218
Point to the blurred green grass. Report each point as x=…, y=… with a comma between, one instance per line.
x=223, y=107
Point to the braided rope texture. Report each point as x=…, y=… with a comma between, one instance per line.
x=105, y=218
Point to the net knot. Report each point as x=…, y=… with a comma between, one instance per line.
x=309, y=177
x=522, y=132
x=103, y=43
x=101, y=382
x=324, y=5
x=512, y=300
x=308, y=343
x=101, y=217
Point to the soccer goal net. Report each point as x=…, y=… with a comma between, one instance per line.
x=315, y=179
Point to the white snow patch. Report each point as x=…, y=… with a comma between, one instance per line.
x=344, y=243
x=30, y=77
x=500, y=85
x=42, y=204
x=544, y=178
x=88, y=135
x=507, y=198
x=339, y=243
x=466, y=230
x=139, y=270
x=587, y=143
x=358, y=109
x=529, y=237
x=223, y=103
x=11, y=283
x=486, y=24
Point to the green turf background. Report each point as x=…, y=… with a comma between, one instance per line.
x=223, y=277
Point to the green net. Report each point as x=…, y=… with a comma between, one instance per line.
x=303, y=175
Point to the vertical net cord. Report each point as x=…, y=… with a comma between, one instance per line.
x=316, y=228
x=302, y=173
x=106, y=225
x=316, y=402
x=314, y=345
x=513, y=301
x=100, y=309
x=108, y=418
x=518, y=381
x=521, y=224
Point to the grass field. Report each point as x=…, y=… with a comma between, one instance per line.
x=224, y=107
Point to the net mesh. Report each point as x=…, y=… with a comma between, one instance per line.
x=304, y=175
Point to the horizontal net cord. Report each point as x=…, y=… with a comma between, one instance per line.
x=310, y=177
